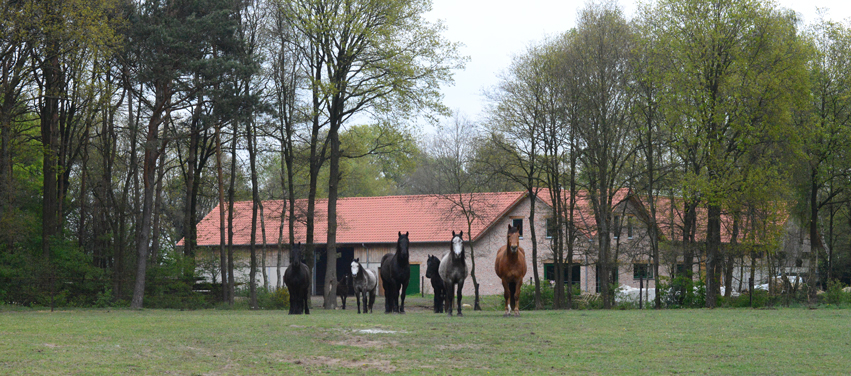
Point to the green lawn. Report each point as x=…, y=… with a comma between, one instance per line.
x=721, y=341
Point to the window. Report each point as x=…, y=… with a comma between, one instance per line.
x=616, y=226
x=549, y=273
x=518, y=222
x=642, y=271
x=551, y=230
x=629, y=227
x=680, y=270
x=613, y=280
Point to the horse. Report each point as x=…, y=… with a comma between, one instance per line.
x=433, y=264
x=510, y=266
x=453, y=271
x=343, y=287
x=297, y=278
x=395, y=275
x=366, y=285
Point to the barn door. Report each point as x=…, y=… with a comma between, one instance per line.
x=414, y=283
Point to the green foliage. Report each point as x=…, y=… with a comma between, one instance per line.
x=682, y=292
x=834, y=294
x=527, y=296
x=168, y=287
x=273, y=298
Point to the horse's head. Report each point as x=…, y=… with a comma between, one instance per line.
x=458, y=243
x=513, y=241
x=432, y=266
x=402, y=244
x=356, y=266
x=295, y=253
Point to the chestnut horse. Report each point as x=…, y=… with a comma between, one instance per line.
x=510, y=266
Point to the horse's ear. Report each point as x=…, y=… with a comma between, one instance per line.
x=400, y=234
x=406, y=234
x=453, y=233
x=461, y=234
x=509, y=227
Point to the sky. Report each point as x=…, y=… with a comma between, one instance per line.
x=493, y=31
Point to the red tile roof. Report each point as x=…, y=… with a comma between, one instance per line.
x=428, y=218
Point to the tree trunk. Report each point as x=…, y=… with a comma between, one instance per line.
x=331, y=244
x=533, y=194
x=163, y=95
x=255, y=199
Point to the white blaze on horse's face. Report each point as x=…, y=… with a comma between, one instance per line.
x=355, y=268
x=457, y=245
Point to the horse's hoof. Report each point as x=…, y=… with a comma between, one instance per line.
x=506, y=315
x=460, y=314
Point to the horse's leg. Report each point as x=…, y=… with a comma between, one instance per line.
x=449, y=293
x=306, y=302
x=388, y=298
x=436, y=302
x=507, y=294
x=344, y=301
x=357, y=299
x=402, y=296
x=371, y=301
x=514, y=296
x=460, y=288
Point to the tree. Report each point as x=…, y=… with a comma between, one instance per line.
x=604, y=44
x=825, y=131
x=173, y=41
x=452, y=180
x=367, y=55
x=734, y=68
x=518, y=114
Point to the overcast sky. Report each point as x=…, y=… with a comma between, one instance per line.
x=493, y=31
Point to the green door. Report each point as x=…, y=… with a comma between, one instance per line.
x=414, y=283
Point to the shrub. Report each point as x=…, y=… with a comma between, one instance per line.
x=834, y=294
x=273, y=298
x=527, y=296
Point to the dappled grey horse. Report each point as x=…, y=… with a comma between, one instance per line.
x=366, y=285
x=453, y=271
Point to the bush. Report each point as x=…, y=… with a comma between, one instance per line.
x=273, y=298
x=834, y=294
x=682, y=292
x=527, y=296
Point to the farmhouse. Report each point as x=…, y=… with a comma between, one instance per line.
x=368, y=228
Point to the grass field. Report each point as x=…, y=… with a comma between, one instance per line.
x=721, y=341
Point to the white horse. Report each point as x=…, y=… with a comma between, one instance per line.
x=366, y=285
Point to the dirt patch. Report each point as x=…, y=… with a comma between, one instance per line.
x=378, y=365
x=460, y=346
x=364, y=343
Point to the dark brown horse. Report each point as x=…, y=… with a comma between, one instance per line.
x=297, y=278
x=343, y=287
x=510, y=266
x=395, y=275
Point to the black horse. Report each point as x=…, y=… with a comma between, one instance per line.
x=433, y=264
x=343, y=287
x=395, y=275
x=453, y=271
x=297, y=278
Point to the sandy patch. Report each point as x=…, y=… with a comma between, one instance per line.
x=364, y=343
x=366, y=364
